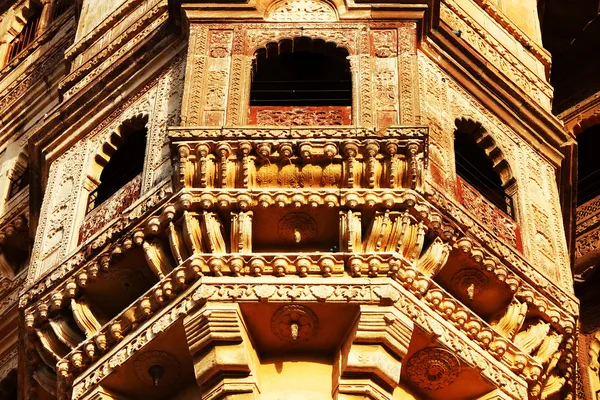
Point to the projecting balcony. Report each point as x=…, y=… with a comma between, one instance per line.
x=285, y=215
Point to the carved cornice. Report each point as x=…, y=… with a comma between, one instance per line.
x=133, y=36
x=475, y=35
x=510, y=256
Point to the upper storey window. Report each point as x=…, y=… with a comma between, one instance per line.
x=60, y=7
x=301, y=72
x=476, y=168
x=588, y=166
x=126, y=162
x=25, y=37
x=18, y=182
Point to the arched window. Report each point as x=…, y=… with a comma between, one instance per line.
x=301, y=72
x=125, y=163
x=59, y=7
x=19, y=179
x=476, y=167
x=588, y=166
x=25, y=37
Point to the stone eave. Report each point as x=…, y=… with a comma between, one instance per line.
x=539, y=127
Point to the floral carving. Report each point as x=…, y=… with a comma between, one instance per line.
x=490, y=215
x=300, y=116
x=294, y=323
x=110, y=209
x=297, y=227
x=384, y=43
x=302, y=10
x=433, y=368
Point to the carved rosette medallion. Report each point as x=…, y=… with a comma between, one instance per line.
x=433, y=368
x=171, y=369
x=294, y=323
x=297, y=227
x=301, y=11
x=470, y=282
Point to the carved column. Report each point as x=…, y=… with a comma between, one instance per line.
x=374, y=349
x=408, y=75
x=223, y=357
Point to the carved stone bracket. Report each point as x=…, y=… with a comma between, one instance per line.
x=376, y=348
x=219, y=343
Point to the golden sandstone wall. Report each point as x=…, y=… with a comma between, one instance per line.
x=197, y=264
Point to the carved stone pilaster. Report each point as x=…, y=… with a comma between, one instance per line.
x=223, y=357
x=374, y=349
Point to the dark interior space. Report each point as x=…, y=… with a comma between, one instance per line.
x=588, y=165
x=301, y=72
x=476, y=168
x=124, y=165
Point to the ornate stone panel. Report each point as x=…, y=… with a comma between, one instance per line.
x=442, y=101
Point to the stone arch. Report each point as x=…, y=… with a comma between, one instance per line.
x=110, y=146
x=487, y=143
x=586, y=123
x=276, y=36
x=116, y=138
x=17, y=172
x=301, y=72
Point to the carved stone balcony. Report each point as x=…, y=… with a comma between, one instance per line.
x=286, y=215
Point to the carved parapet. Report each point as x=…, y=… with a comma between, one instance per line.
x=219, y=345
x=343, y=157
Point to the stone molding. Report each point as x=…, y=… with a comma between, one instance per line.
x=376, y=346
x=219, y=343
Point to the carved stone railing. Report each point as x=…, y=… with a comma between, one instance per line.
x=497, y=221
x=328, y=157
x=587, y=244
x=110, y=209
x=300, y=116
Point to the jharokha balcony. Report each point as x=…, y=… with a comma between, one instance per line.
x=269, y=215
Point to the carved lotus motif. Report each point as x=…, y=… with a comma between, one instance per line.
x=433, y=368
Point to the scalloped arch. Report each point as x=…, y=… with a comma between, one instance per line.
x=114, y=141
x=488, y=144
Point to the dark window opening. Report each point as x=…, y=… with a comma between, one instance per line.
x=9, y=387
x=125, y=164
x=475, y=167
x=25, y=37
x=588, y=166
x=301, y=72
x=18, y=183
x=60, y=7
